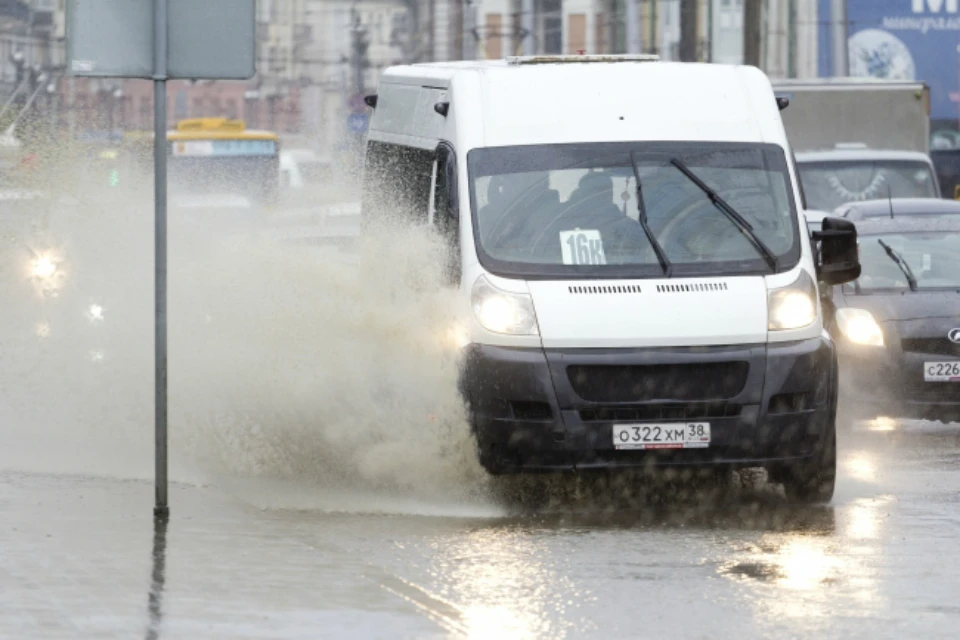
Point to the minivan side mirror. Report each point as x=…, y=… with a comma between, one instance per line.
x=839, y=255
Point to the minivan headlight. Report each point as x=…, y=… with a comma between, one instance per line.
x=502, y=311
x=859, y=327
x=793, y=306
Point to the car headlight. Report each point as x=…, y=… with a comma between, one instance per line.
x=860, y=327
x=43, y=267
x=503, y=312
x=793, y=306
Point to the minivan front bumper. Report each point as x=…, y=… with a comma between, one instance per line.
x=554, y=409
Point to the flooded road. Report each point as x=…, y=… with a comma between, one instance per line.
x=258, y=559
x=325, y=483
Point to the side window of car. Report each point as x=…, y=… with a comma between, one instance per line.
x=447, y=207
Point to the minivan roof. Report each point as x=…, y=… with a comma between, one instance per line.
x=503, y=103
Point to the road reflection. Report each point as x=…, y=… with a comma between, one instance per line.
x=510, y=586
x=155, y=596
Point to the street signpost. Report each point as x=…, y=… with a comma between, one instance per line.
x=161, y=40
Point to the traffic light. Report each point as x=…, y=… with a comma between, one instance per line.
x=114, y=180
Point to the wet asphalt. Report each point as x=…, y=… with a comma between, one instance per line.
x=83, y=557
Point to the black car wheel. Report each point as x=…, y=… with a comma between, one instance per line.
x=811, y=481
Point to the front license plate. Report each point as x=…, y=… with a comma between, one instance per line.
x=941, y=371
x=671, y=435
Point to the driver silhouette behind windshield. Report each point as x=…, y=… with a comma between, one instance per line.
x=591, y=206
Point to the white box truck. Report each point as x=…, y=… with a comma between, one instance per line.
x=859, y=139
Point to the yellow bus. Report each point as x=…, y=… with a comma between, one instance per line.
x=220, y=155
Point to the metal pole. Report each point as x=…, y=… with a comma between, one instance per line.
x=528, y=24
x=653, y=27
x=71, y=109
x=710, y=34
x=752, y=10
x=838, y=25
x=688, y=30
x=634, y=36
x=791, y=38
x=469, y=44
x=161, y=508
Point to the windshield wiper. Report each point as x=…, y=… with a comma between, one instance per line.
x=896, y=257
x=742, y=225
x=642, y=217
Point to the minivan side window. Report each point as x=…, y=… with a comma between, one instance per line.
x=396, y=184
x=447, y=209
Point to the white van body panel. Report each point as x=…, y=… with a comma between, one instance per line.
x=651, y=313
x=493, y=103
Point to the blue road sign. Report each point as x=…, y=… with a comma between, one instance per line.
x=357, y=122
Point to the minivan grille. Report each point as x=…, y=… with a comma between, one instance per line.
x=701, y=381
x=672, y=411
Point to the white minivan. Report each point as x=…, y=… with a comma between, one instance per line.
x=629, y=235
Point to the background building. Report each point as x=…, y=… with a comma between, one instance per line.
x=316, y=58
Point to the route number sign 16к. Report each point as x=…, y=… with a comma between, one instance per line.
x=582, y=247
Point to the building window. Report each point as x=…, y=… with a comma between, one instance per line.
x=493, y=37
x=552, y=26
x=577, y=39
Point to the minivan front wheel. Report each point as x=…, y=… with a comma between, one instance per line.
x=811, y=481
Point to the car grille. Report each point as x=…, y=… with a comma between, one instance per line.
x=702, y=381
x=698, y=411
x=933, y=346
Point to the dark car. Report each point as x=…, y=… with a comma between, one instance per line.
x=947, y=162
x=900, y=207
x=897, y=327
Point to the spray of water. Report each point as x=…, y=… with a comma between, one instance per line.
x=288, y=362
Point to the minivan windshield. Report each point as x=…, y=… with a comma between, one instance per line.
x=829, y=185
x=575, y=210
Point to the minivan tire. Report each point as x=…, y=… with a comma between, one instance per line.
x=811, y=481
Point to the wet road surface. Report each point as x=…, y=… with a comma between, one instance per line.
x=80, y=557
x=244, y=557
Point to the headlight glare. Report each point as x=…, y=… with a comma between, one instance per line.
x=503, y=312
x=43, y=267
x=793, y=306
x=860, y=327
